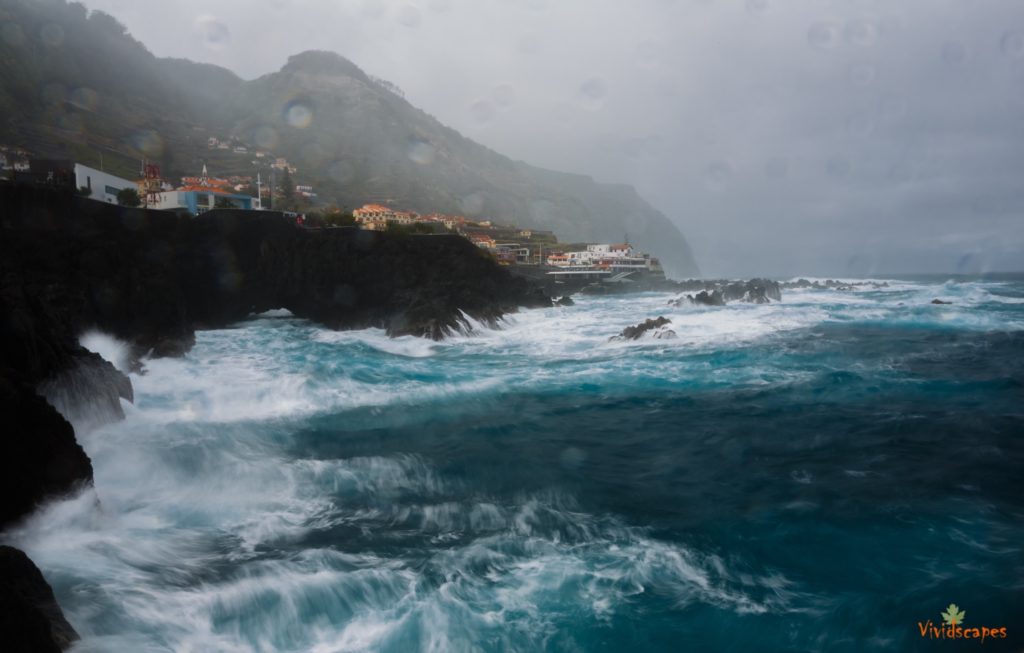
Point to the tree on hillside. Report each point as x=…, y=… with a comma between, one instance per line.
x=129, y=197
x=287, y=191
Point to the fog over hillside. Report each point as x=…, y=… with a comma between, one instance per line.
x=813, y=136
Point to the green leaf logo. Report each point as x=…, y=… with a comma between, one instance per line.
x=953, y=615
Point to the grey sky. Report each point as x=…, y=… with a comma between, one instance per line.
x=819, y=137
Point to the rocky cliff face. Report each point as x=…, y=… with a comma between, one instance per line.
x=68, y=265
x=30, y=619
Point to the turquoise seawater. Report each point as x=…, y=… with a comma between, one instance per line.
x=820, y=474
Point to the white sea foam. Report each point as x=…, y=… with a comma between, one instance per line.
x=112, y=350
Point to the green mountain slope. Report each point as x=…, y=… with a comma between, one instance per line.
x=74, y=83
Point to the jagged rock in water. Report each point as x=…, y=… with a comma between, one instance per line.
x=654, y=328
x=939, y=301
x=30, y=619
x=564, y=301
x=715, y=298
x=89, y=393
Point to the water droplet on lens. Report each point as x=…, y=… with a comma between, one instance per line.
x=266, y=137
x=861, y=32
x=593, y=93
x=55, y=93
x=648, y=53
x=837, y=166
x=823, y=35
x=504, y=95
x=573, y=458
x=472, y=204
x=757, y=6
x=149, y=143
x=482, y=110
x=954, y=53
x=341, y=172
x=1012, y=44
x=298, y=115
x=409, y=16
x=717, y=175
x=52, y=35
x=213, y=32
x=861, y=74
x=777, y=168
x=12, y=34
x=85, y=98
x=860, y=125
x=421, y=153
x=530, y=44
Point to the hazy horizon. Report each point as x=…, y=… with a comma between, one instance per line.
x=816, y=138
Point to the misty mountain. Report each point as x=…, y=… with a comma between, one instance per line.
x=74, y=83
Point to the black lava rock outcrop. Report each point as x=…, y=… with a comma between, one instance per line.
x=651, y=325
x=30, y=619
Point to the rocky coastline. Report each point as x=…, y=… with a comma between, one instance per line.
x=151, y=279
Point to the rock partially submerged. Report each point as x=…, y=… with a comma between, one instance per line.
x=939, y=301
x=30, y=619
x=652, y=328
x=719, y=293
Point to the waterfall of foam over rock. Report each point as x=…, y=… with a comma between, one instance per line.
x=816, y=474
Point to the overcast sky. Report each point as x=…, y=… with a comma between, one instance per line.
x=818, y=137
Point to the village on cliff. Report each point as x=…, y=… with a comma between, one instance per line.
x=508, y=244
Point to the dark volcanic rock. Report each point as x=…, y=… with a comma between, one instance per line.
x=714, y=298
x=39, y=456
x=30, y=619
x=88, y=394
x=939, y=301
x=565, y=301
x=635, y=332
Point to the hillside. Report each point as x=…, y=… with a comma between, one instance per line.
x=351, y=136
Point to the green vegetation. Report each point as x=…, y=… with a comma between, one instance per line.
x=129, y=197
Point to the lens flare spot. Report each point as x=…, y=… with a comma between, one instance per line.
x=298, y=115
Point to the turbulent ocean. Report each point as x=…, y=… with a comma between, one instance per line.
x=820, y=474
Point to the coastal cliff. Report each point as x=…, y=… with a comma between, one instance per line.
x=69, y=265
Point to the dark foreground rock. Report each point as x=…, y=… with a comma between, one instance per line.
x=39, y=456
x=653, y=326
x=30, y=619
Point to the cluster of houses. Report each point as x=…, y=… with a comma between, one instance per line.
x=236, y=146
x=13, y=159
x=511, y=245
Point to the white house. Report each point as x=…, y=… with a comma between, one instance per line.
x=102, y=186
